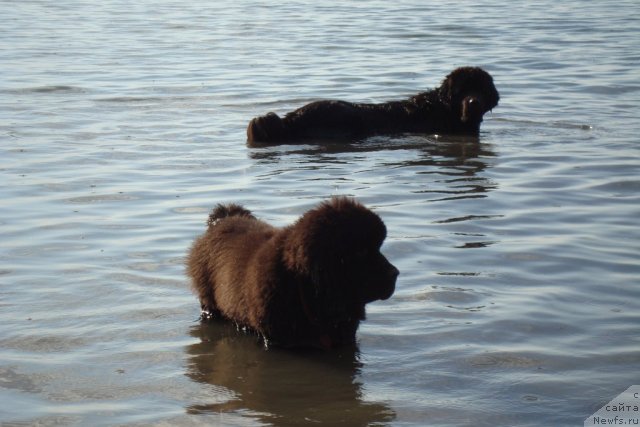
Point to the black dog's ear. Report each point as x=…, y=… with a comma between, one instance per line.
x=446, y=89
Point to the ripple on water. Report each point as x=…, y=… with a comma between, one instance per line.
x=516, y=303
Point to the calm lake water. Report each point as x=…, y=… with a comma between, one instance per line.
x=123, y=123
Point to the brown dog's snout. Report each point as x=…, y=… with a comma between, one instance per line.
x=393, y=272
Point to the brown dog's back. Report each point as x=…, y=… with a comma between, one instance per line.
x=217, y=263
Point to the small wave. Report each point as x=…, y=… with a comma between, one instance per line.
x=504, y=360
x=556, y=125
x=467, y=218
x=132, y=99
x=46, y=89
x=101, y=198
x=163, y=99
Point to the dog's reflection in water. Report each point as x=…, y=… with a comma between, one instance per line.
x=278, y=387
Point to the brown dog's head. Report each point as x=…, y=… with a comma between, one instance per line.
x=337, y=246
x=470, y=93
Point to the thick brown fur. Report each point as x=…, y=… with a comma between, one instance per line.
x=456, y=107
x=304, y=285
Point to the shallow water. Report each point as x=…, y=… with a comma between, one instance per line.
x=123, y=124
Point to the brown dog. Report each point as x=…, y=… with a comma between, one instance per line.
x=302, y=285
x=456, y=107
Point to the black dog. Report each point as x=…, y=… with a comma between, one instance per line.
x=456, y=107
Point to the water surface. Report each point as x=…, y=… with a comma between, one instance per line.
x=123, y=124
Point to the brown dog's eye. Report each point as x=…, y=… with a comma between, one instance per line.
x=362, y=253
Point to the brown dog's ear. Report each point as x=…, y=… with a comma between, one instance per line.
x=325, y=232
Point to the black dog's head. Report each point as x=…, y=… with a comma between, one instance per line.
x=337, y=245
x=470, y=93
